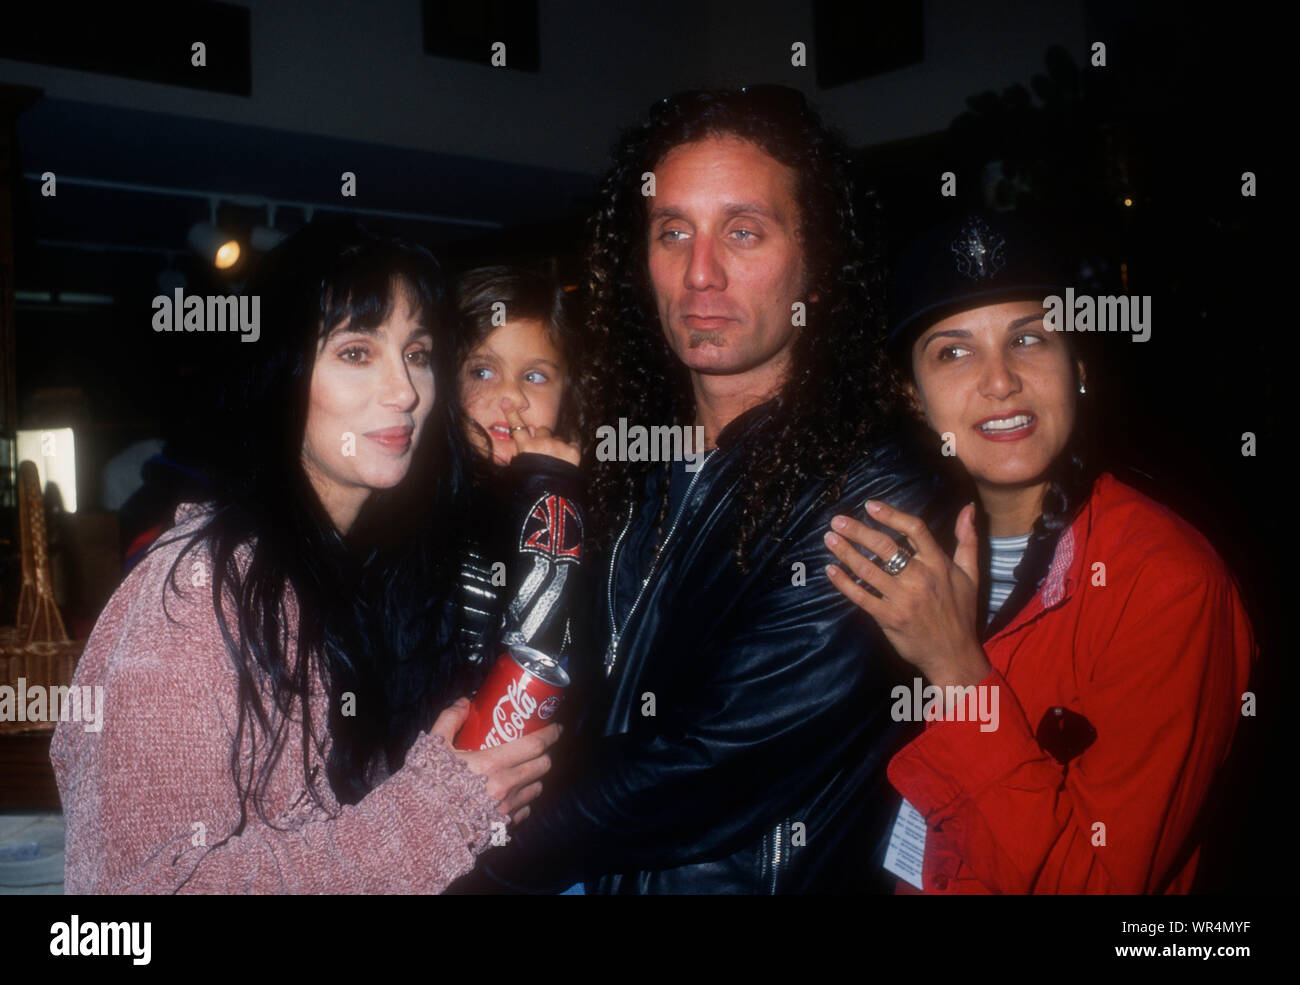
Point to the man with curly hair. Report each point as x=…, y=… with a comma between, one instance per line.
x=735, y=733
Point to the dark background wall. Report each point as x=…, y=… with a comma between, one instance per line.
x=357, y=72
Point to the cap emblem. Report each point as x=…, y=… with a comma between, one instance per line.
x=979, y=251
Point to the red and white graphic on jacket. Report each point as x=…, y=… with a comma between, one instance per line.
x=554, y=530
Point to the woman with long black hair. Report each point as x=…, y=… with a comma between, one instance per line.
x=272, y=669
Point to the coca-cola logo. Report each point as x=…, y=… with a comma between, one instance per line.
x=512, y=711
x=547, y=708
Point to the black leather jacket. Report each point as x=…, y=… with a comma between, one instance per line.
x=762, y=768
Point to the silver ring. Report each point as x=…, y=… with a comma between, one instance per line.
x=898, y=562
x=519, y=427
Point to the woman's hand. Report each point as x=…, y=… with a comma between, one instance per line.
x=928, y=608
x=538, y=440
x=514, y=770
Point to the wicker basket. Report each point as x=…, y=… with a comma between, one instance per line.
x=37, y=650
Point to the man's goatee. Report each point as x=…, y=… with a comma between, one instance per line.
x=696, y=339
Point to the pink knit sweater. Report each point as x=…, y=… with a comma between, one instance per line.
x=148, y=798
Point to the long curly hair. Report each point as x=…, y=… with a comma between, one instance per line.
x=831, y=406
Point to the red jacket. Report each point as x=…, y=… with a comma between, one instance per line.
x=1155, y=651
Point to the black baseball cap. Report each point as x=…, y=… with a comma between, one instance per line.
x=969, y=260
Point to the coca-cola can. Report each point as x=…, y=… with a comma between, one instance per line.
x=521, y=695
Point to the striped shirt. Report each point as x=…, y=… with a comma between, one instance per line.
x=1004, y=554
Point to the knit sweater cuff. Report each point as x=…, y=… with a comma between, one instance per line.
x=464, y=791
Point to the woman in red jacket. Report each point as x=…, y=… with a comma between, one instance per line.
x=1079, y=707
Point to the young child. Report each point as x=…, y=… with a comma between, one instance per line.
x=518, y=410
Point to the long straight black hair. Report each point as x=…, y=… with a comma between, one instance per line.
x=376, y=609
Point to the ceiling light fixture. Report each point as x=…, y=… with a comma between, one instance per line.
x=209, y=242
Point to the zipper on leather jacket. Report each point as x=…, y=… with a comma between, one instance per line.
x=778, y=852
x=611, y=652
x=609, y=594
